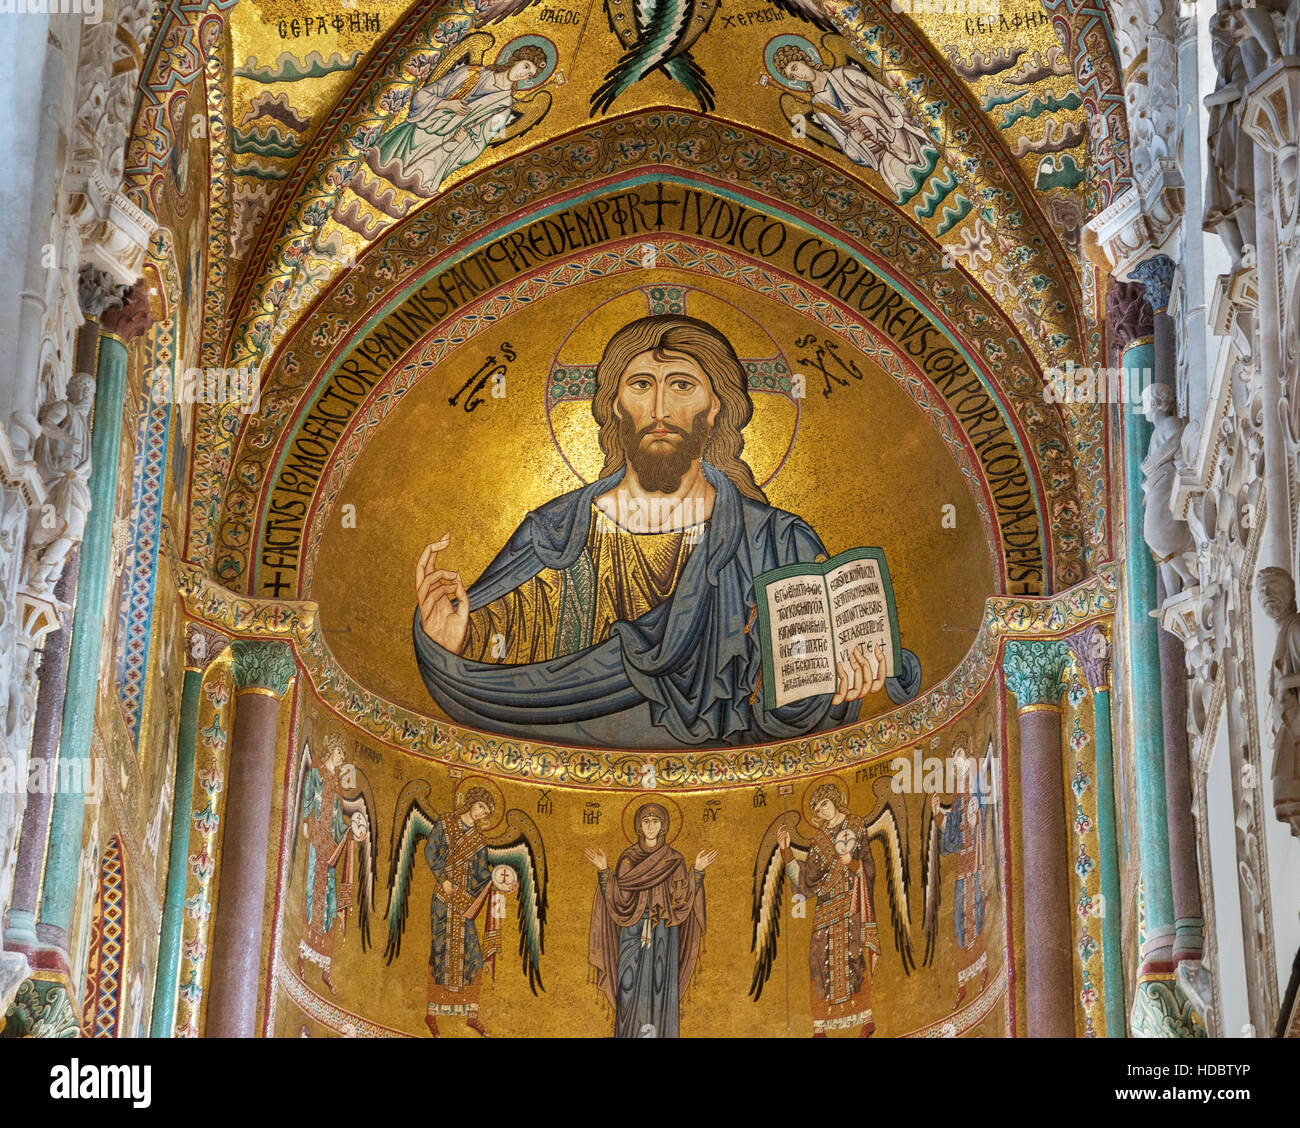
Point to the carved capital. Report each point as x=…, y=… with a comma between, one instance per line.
x=1034, y=668
x=1128, y=313
x=133, y=317
x=97, y=291
x=1091, y=649
x=265, y=665
x=1157, y=275
x=203, y=646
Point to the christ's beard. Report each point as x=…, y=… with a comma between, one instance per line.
x=662, y=471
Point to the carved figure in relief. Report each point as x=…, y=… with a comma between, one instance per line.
x=1276, y=592
x=1169, y=538
x=62, y=452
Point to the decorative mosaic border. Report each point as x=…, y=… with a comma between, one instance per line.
x=206, y=812
x=144, y=532
x=678, y=254
x=694, y=147
x=712, y=768
x=106, y=960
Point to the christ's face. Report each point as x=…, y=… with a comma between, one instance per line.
x=666, y=408
x=650, y=829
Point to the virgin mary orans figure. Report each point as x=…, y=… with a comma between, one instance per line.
x=647, y=928
x=452, y=120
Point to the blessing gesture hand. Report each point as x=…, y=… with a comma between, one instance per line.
x=444, y=606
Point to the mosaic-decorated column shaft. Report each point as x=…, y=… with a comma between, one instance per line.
x=68, y=812
x=1033, y=670
x=1092, y=651
x=262, y=671
x=198, y=654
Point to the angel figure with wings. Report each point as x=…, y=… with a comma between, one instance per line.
x=959, y=828
x=463, y=105
x=472, y=876
x=336, y=826
x=836, y=869
x=853, y=111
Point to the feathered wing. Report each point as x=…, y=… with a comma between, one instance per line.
x=417, y=825
x=364, y=801
x=656, y=35
x=299, y=797
x=931, y=877
x=526, y=111
x=470, y=49
x=884, y=829
x=809, y=10
x=494, y=11
x=520, y=847
x=794, y=109
x=769, y=886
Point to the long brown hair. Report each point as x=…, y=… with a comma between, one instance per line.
x=686, y=336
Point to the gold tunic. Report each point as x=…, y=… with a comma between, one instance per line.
x=620, y=575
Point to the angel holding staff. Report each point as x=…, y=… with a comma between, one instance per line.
x=835, y=868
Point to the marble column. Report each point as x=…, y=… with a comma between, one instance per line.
x=20, y=925
x=1033, y=671
x=262, y=671
x=201, y=648
x=1165, y=535
x=1092, y=651
x=68, y=812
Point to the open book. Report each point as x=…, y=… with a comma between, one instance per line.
x=812, y=616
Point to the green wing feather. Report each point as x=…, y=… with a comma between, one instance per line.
x=417, y=825
x=520, y=847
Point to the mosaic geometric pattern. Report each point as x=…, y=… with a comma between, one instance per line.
x=102, y=1005
x=141, y=567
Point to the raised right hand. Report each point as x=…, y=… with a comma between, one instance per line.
x=444, y=606
x=597, y=858
x=783, y=837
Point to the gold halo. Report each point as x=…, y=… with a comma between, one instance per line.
x=663, y=801
x=490, y=785
x=771, y=431
x=817, y=781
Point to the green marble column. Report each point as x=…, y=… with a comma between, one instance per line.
x=1144, y=686
x=67, y=815
x=1033, y=670
x=173, y=917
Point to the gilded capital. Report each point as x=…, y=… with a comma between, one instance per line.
x=1033, y=669
x=262, y=664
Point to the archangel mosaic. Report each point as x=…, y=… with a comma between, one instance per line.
x=663, y=519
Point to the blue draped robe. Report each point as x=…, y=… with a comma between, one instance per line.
x=682, y=675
